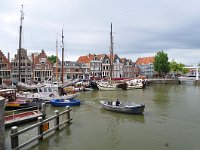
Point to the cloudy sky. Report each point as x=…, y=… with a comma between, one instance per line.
x=141, y=27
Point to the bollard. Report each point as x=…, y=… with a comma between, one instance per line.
x=40, y=131
x=68, y=114
x=57, y=119
x=14, y=139
x=43, y=109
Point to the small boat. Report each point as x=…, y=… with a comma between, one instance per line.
x=130, y=108
x=107, y=86
x=23, y=117
x=135, y=86
x=63, y=103
x=24, y=104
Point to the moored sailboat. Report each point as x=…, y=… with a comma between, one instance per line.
x=109, y=86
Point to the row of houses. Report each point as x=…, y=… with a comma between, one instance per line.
x=38, y=67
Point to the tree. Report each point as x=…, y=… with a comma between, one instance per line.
x=52, y=58
x=174, y=67
x=182, y=69
x=177, y=67
x=161, y=64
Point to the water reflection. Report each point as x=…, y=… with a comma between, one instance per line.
x=161, y=94
x=124, y=117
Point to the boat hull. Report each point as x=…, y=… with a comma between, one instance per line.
x=63, y=103
x=107, y=87
x=130, y=109
x=21, y=118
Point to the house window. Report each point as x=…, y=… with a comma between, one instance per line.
x=38, y=66
x=42, y=60
x=1, y=58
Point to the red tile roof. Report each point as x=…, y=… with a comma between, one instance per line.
x=144, y=60
x=86, y=59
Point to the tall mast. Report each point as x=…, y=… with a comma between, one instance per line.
x=111, y=53
x=62, y=57
x=57, y=60
x=20, y=42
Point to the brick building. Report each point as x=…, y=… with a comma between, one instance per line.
x=5, y=69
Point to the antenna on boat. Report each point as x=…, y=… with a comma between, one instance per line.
x=20, y=42
x=62, y=57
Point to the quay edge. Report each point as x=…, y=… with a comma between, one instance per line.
x=163, y=81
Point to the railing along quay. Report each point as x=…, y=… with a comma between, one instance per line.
x=43, y=129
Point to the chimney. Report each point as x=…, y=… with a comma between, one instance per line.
x=8, y=57
x=33, y=61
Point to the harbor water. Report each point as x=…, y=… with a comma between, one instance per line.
x=171, y=121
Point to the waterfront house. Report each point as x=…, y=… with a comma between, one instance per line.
x=145, y=64
x=117, y=67
x=25, y=69
x=75, y=70
x=94, y=63
x=42, y=67
x=129, y=69
x=100, y=66
x=5, y=69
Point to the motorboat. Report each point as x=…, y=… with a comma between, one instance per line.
x=130, y=108
x=63, y=103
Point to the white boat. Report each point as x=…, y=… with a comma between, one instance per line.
x=135, y=84
x=45, y=93
x=107, y=86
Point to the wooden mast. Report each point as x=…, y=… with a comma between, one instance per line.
x=57, y=60
x=62, y=57
x=20, y=42
x=111, y=53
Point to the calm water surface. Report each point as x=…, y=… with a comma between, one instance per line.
x=171, y=121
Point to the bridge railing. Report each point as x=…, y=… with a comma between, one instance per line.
x=42, y=127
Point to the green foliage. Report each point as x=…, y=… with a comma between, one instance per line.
x=177, y=67
x=52, y=58
x=161, y=64
x=174, y=66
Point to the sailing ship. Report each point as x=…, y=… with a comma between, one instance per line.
x=109, y=85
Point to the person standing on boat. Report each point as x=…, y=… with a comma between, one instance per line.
x=117, y=102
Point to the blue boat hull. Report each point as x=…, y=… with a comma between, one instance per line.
x=63, y=103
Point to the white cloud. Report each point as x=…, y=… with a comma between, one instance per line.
x=141, y=28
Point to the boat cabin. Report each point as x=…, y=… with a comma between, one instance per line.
x=9, y=94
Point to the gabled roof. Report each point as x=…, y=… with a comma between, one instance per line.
x=41, y=55
x=86, y=59
x=144, y=60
